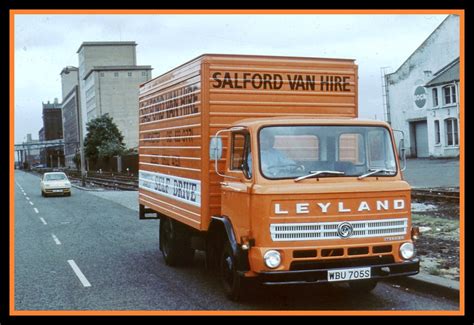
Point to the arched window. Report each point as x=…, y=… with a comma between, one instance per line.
x=451, y=127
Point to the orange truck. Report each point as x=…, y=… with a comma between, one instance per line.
x=261, y=162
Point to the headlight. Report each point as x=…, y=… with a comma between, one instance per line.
x=407, y=250
x=272, y=259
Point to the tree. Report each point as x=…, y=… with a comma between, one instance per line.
x=103, y=139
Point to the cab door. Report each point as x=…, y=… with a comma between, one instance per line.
x=236, y=188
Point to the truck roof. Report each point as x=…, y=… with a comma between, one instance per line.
x=305, y=120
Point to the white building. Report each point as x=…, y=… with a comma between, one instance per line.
x=443, y=111
x=422, y=96
x=109, y=83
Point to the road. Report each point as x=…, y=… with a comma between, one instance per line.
x=85, y=252
x=425, y=173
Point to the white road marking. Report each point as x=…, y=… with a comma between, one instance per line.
x=56, y=240
x=31, y=202
x=36, y=210
x=28, y=198
x=44, y=222
x=79, y=274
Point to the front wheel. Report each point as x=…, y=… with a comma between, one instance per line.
x=232, y=282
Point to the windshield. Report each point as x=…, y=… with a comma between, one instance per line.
x=55, y=177
x=339, y=151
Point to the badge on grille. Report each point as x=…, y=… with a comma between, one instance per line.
x=344, y=230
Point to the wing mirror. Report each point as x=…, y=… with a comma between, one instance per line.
x=402, y=151
x=215, y=148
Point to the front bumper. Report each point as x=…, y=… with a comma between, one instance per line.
x=58, y=191
x=378, y=272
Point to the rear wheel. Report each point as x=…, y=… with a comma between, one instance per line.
x=363, y=285
x=175, y=243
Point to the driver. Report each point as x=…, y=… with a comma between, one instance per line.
x=271, y=157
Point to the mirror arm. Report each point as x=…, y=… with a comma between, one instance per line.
x=238, y=128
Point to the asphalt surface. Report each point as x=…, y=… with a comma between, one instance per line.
x=429, y=173
x=121, y=267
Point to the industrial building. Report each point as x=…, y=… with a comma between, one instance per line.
x=109, y=80
x=70, y=110
x=52, y=130
x=422, y=95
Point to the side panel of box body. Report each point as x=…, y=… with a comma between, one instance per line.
x=170, y=150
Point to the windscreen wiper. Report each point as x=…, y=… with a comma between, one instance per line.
x=314, y=173
x=376, y=171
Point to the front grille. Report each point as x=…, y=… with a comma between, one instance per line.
x=340, y=263
x=329, y=230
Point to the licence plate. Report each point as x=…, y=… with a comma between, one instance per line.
x=349, y=274
x=57, y=191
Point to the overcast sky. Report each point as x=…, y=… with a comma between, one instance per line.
x=45, y=44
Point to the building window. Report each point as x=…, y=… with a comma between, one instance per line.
x=435, y=97
x=115, y=74
x=144, y=73
x=451, y=127
x=437, y=134
x=101, y=74
x=449, y=95
x=129, y=74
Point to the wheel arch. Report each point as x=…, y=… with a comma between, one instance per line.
x=221, y=228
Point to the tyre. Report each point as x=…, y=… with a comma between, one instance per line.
x=43, y=194
x=175, y=243
x=232, y=282
x=363, y=285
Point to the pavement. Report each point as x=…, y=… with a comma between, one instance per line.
x=421, y=282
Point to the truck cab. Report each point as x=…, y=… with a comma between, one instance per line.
x=313, y=200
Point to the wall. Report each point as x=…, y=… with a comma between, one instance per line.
x=118, y=96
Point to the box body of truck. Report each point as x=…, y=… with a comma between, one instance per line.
x=341, y=213
x=181, y=110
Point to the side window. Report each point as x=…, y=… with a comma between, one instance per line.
x=238, y=151
x=351, y=148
